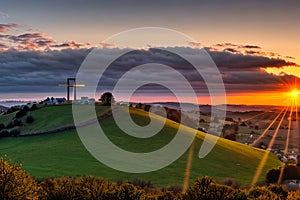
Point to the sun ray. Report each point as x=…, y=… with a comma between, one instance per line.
x=266, y=130
x=266, y=155
x=289, y=129
x=253, y=117
x=188, y=168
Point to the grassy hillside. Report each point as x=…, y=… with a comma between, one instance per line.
x=49, y=117
x=62, y=154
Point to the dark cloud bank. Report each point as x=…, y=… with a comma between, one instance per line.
x=41, y=71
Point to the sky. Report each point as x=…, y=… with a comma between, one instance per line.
x=253, y=43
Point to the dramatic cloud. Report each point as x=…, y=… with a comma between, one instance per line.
x=35, y=71
x=229, y=61
x=251, y=47
x=32, y=41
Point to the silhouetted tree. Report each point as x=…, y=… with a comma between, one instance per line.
x=272, y=176
x=2, y=126
x=29, y=119
x=107, y=98
x=139, y=105
x=33, y=107
x=21, y=113
x=230, y=136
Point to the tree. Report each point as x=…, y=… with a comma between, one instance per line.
x=272, y=176
x=29, y=119
x=2, y=126
x=34, y=107
x=230, y=136
x=107, y=98
x=21, y=113
x=15, y=183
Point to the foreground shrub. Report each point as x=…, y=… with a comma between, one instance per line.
x=206, y=188
x=87, y=188
x=59, y=188
x=167, y=195
x=293, y=195
x=129, y=191
x=262, y=193
x=237, y=195
x=281, y=191
x=15, y=183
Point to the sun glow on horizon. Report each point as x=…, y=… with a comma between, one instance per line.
x=294, y=93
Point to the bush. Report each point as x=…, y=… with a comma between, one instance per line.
x=4, y=133
x=2, y=126
x=129, y=191
x=281, y=192
x=59, y=188
x=206, y=188
x=12, y=109
x=173, y=114
x=14, y=132
x=34, y=107
x=29, y=119
x=147, y=107
x=21, y=113
x=15, y=183
x=231, y=137
x=237, y=195
x=261, y=193
x=167, y=195
x=17, y=122
x=107, y=98
x=293, y=195
x=272, y=176
x=139, y=105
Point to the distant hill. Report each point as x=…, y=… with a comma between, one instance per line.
x=11, y=103
x=206, y=108
x=62, y=154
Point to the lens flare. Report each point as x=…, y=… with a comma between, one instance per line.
x=294, y=93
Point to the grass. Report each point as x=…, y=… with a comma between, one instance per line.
x=63, y=154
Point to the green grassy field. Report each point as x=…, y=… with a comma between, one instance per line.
x=63, y=154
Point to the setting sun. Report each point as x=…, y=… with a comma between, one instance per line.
x=294, y=93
